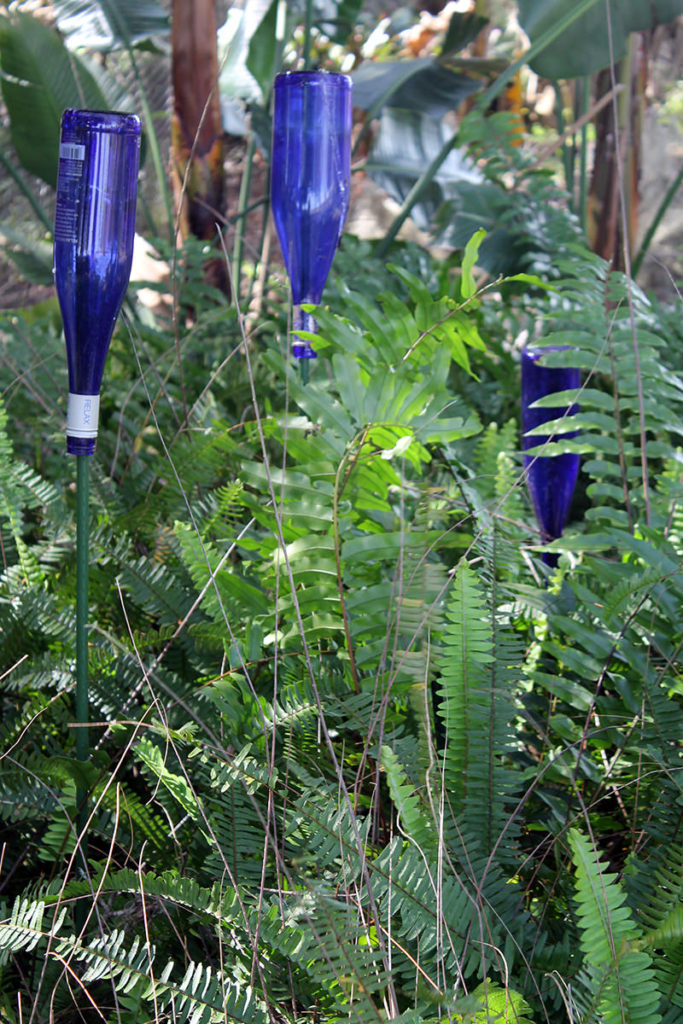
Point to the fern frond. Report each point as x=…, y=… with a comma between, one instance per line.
x=661, y=911
x=620, y=977
x=325, y=938
x=198, y=996
x=413, y=819
x=477, y=707
x=491, y=443
x=666, y=895
x=23, y=930
x=669, y=931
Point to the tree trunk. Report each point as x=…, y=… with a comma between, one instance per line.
x=197, y=132
x=605, y=223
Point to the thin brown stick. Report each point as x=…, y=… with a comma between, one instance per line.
x=545, y=152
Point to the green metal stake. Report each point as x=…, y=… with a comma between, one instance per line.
x=308, y=25
x=94, y=231
x=82, y=559
x=308, y=64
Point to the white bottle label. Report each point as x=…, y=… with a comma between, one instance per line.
x=71, y=151
x=82, y=414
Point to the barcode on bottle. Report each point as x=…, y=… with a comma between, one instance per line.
x=71, y=151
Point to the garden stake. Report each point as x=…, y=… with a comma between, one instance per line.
x=93, y=251
x=551, y=479
x=308, y=26
x=310, y=178
x=82, y=488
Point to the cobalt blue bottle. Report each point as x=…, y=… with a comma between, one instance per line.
x=551, y=479
x=310, y=180
x=93, y=250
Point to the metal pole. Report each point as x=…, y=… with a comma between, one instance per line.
x=82, y=559
x=308, y=24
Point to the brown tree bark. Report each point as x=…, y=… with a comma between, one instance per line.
x=196, y=128
x=618, y=142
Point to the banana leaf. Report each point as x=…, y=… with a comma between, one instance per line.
x=422, y=84
x=40, y=79
x=585, y=46
x=405, y=144
x=110, y=24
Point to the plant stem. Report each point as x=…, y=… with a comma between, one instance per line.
x=583, y=159
x=307, y=35
x=152, y=142
x=657, y=220
x=82, y=506
x=567, y=161
x=241, y=219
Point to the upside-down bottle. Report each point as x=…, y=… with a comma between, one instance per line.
x=551, y=479
x=93, y=250
x=310, y=180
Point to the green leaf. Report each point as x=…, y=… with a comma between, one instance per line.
x=463, y=29
x=177, y=785
x=33, y=259
x=110, y=24
x=63, y=769
x=263, y=56
x=337, y=25
x=40, y=79
x=620, y=979
x=407, y=141
x=467, y=283
x=482, y=205
x=503, y=1005
x=421, y=85
x=584, y=47
x=415, y=824
x=531, y=279
x=335, y=18
x=669, y=931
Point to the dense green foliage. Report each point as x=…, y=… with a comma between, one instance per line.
x=347, y=741
x=357, y=753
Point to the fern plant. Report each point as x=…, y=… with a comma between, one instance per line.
x=341, y=723
x=619, y=980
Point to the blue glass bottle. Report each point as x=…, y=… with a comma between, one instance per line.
x=93, y=250
x=551, y=479
x=310, y=180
